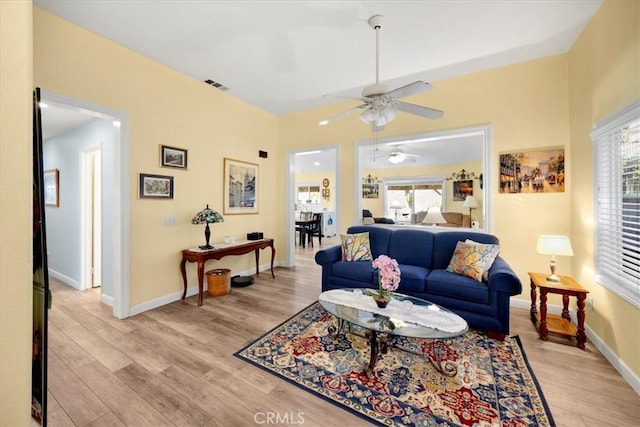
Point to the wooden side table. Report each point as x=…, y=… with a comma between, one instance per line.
x=562, y=325
x=220, y=251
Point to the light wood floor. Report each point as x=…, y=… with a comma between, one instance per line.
x=175, y=366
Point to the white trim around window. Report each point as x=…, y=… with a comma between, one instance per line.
x=616, y=143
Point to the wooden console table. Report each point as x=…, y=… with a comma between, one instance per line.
x=201, y=256
x=558, y=324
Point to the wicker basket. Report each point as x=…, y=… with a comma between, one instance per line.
x=218, y=282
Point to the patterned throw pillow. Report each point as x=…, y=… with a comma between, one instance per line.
x=493, y=252
x=356, y=247
x=472, y=259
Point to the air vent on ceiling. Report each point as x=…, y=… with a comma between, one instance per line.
x=216, y=85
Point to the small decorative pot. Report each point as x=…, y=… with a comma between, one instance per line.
x=382, y=301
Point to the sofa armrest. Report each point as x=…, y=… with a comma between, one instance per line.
x=329, y=255
x=503, y=279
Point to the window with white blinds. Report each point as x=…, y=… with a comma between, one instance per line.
x=617, y=185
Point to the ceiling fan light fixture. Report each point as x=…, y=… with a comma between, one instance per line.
x=365, y=117
x=397, y=159
x=379, y=116
x=389, y=113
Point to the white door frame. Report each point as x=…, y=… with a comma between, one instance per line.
x=119, y=201
x=90, y=217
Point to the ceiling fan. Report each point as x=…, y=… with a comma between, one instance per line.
x=397, y=156
x=380, y=105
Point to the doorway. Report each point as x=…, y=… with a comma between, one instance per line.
x=103, y=181
x=317, y=167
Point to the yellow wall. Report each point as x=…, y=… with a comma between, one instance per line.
x=604, y=66
x=15, y=204
x=164, y=107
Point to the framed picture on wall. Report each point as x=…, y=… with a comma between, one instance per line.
x=533, y=171
x=370, y=190
x=155, y=186
x=240, y=187
x=172, y=157
x=51, y=187
x=462, y=189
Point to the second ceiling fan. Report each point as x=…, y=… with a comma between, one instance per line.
x=380, y=105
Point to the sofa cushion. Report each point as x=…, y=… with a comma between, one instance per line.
x=355, y=270
x=356, y=247
x=442, y=282
x=412, y=278
x=410, y=246
x=453, y=218
x=472, y=259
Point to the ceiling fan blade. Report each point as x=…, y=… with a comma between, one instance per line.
x=410, y=89
x=419, y=110
x=343, y=114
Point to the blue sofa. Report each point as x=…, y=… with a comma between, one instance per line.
x=423, y=255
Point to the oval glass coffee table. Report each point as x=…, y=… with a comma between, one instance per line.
x=404, y=316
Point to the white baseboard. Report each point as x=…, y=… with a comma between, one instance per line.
x=191, y=291
x=619, y=365
x=616, y=362
x=64, y=279
x=106, y=300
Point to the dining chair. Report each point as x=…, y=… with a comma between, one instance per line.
x=301, y=229
x=315, y=229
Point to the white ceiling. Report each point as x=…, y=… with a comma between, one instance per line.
x=57, y=120
x=285, y=56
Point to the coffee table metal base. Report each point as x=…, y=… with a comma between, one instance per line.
x=379, y=344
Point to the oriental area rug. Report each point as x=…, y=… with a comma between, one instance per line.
x=493, y=386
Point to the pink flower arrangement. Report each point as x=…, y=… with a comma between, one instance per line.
x=388, y=274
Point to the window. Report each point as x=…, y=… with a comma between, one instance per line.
x=617, y=172
x=307, y=195
x=412, y=196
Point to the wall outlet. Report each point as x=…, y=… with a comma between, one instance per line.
x=169, y=221
x=589, y=303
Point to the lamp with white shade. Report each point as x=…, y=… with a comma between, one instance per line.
x=434, y=217
x=554, y=246
x=396, y=205
x=471, y=203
